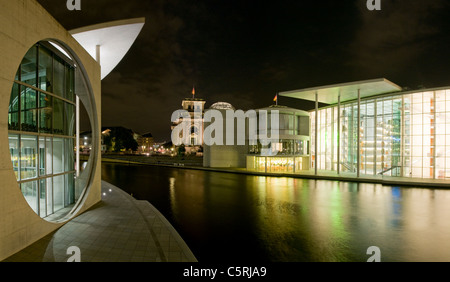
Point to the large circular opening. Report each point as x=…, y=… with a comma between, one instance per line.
x=42, y=131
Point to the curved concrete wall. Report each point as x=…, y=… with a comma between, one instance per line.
x=22, y=24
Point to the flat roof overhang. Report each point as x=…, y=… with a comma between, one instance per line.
x=109, y=42
x=348, y=91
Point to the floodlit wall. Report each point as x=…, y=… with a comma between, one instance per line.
x=224, y=154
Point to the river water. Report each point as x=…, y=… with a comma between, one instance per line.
x=225, y=217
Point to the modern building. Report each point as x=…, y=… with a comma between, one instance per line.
x=289, y=153
x=375, y=129
x=371, y=129
x=46, y=74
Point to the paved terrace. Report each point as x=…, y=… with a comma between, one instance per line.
x=118, y=229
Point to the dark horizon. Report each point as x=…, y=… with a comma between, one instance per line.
x=245, y=52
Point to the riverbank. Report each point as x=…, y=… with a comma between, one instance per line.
x=193, y=162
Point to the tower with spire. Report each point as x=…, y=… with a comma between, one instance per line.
x=196, y=109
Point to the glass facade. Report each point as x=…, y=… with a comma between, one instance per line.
x=404, y=134
x=41, y=122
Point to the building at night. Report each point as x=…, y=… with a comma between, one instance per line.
x=47, y=73
x=192, y=136
x=286, y=153
x=146, y=143
x=375, y=129
x=370, y=129
x=289, y=152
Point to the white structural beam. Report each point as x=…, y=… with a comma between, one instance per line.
x=347, y=91
x=109, y=42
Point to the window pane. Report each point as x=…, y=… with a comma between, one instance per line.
x=58, y=79
x=58, y=155
x=45, y=113
x=69, y=151
x=58, y=192
x=13, y=111
x=69, y=129
x=28, y=67
x=49, y=194
x=42, y=157
x=29, y=191
x=28, y=159
x=49, y=155
x=14, y=151
x=28, y=110
x=43, y=197
x=70, y=83
x=45, y=69
x=58, y=116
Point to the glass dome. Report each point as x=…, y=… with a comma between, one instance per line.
x=222, y=106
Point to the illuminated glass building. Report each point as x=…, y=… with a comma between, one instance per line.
x=373, y=129
x=289, y=152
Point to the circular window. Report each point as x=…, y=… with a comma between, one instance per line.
x=41, y=130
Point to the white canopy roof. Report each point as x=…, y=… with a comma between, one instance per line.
x=110, y=41
x=348, y=91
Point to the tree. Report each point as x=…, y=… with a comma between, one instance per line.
x=121, y=139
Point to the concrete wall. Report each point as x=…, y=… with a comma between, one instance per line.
x=225, y=155
x=22, y=24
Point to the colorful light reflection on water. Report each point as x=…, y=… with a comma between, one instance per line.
x=228, y=217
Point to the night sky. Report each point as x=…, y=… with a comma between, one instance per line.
x=244, y=52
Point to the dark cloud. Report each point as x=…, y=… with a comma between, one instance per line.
x=399, y=39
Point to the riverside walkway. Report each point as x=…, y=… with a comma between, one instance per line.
x=118, y=229
x=197, y=164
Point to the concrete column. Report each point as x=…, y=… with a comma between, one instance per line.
x=358, y=141
x=97, y=53
x=433, y=134
x=402, y=137
x=77, y=118
x=375, y=138
x=339, y=135
x=332, y=138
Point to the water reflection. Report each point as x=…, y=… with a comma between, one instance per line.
x=230, y=217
